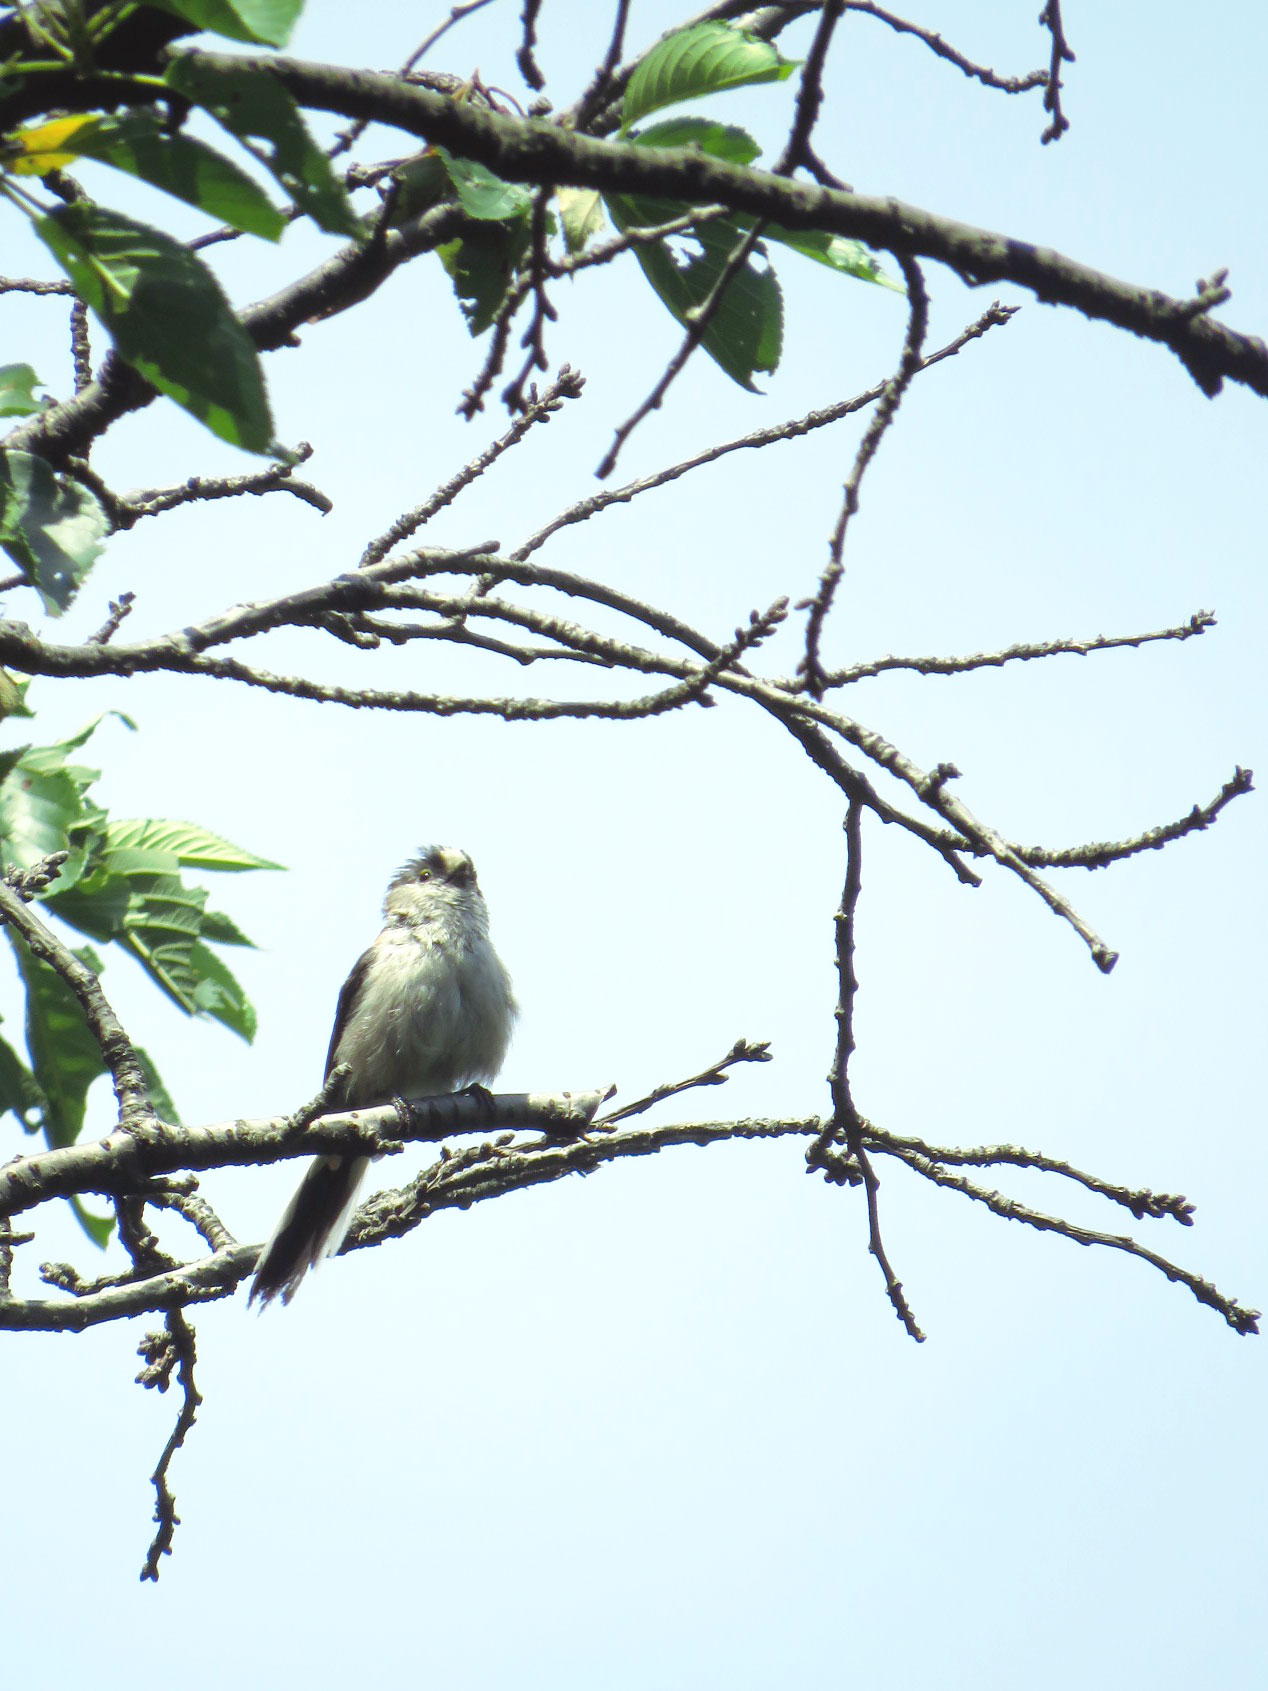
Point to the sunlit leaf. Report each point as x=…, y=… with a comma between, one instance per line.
x=186, y=842
x=223, y=930
x=218, y=994
x=99, y=1228
x=581, y=214
x=179, y=164
x=481, y=264
x=167, y=316
x=13, y=689
x=16, y=396
x=745, y=334
x=254, y=106
x=269, y=22
x=483, y=195
x=52, y=526
x=45, y=146
x=65, y=1058
x=838, y=252
x=705, y=59
x=720, y=140
x=160, y=1097
x=20, y=1092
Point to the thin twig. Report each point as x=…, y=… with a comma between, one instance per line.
x=909, y=366
x=534, y=336
x=995, y=316
x=278, y=478
x=698, y=320
x=936, y=44
x=120, y=608
x=743, y=1051
x=525, y=58
x=30, y=285
x=1022, y=652
x=1143, y=1203
x=566, y=385
x=1239, y=1318
x=177, y=1351
x=602, y=84
x=1100, y=856
x=80, y=345
x=810, y=94
x=1050, y=19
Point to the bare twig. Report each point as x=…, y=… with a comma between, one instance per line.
x=1050, y=19
x=743, y=1051
x=174, y=1348
x=584, y=509
x=530, y=70
x=1100, y=856
x=1022, y=652
x=908, y=367
x=30, y=285
x=566, y=385
x=1239, y=1318
x=1143, y=1203
x=534, y=336
x=603, y=83
x=119, y=609
x=810, y=94
x=278, y=478
x=936, y=44
x=80, y=345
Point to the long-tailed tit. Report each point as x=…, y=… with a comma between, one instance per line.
x=427, y=1009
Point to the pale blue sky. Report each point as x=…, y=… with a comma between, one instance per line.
x=660, y=1428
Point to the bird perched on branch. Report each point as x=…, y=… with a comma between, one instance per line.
x=427, y=1009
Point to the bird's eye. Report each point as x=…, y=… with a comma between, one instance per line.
x=424, y=874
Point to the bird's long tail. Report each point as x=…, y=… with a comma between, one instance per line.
x=311, y=1228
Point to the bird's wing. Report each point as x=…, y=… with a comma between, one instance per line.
x=348, y=996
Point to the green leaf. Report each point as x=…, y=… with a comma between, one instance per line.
x=97, y=906
x=746, y=332
x=167, y=316
x=185, y=842
x=97, y=1227
x=160, y=1097
x=420, y=183
x=838, y=252
x=41, y=802
x=162, y=931
x=482, y=263
x=720, y=140
x=223, y=930
x=703, y=60
x=52, y=757
x=581, y=213
x=65, y=1058
x=178, y=164
x=20, y=1092
x=13, y=691
x=266, y=21
x=16, y=397
x=218, y=994
x=50, y=525
x=253, y=105
x=483, y=195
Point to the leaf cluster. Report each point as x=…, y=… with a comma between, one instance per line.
x=121, y=885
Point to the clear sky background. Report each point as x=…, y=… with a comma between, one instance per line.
x=660, y=1428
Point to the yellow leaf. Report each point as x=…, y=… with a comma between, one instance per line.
x=43, y=148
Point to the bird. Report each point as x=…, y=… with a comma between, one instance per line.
x=427, y=1009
